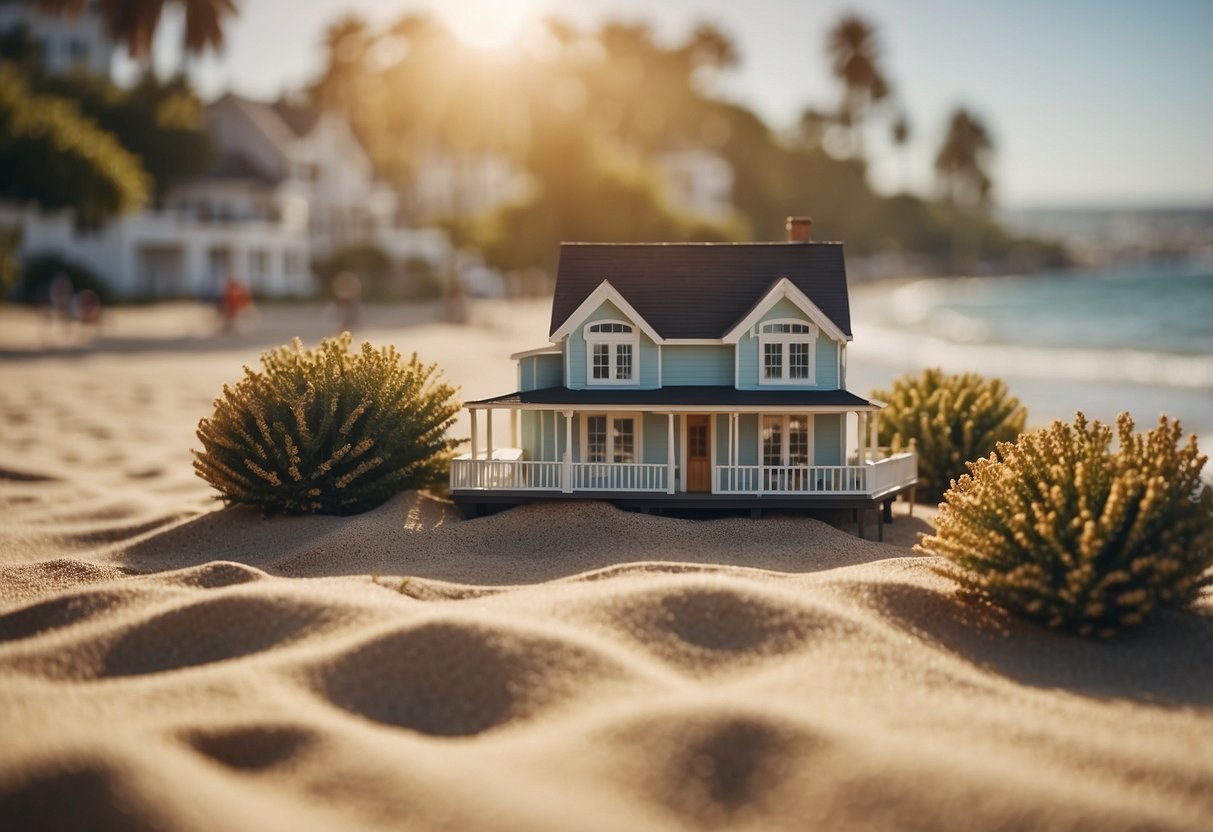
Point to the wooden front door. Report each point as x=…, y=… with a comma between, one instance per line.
x=699, y=455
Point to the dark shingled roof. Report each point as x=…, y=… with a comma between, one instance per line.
x=680, y=396
x=700, y=290
x=301, y=119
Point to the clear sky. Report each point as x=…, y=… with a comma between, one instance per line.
x=1090, y=102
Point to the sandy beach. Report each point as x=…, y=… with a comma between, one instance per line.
x=167, y=664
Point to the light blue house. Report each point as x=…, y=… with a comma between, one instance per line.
x=687, y=375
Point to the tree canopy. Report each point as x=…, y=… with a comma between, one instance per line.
x=133, y=23
x=54, y=156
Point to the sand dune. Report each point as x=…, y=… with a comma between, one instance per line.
x=167, y=665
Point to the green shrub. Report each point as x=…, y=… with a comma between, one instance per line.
x=327, y=430
x=949, y=420
x=1058, y=528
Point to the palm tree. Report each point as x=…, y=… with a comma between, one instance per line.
x=709, y=46
x=962, y=165
x=899, y=132
x=347, y=42
x=133, y=23
x=855, y=61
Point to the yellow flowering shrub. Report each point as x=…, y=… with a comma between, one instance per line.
x=948, y=420
x=1063, y=530
x=327, y=430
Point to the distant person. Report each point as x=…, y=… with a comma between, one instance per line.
x=234, y=301
x=86, y=312
x=347, y=300
x=60, y=298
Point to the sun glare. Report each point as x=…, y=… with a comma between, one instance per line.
x=487, y=24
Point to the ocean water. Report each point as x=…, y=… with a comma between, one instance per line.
x=1126, y=339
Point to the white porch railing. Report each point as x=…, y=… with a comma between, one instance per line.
x=873, y=478
x=610, y=476
x=893, y=473
x=505, y=475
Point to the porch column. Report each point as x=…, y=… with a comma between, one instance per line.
x=669, y=454
x=566, y=471
x=762, y=474
x=472, y=411
x=872, y=420
x=734, y=437
x=488, y=433
x=861, y=425
x=515, y=438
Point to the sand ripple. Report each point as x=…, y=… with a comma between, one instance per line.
x=654, y=695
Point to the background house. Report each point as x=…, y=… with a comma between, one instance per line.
x=290, y=184
x=65, y=43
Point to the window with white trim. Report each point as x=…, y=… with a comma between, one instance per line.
x=610, y=351
x=611, y=438
x=787, y=352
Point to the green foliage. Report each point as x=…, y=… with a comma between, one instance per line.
x=949, y=420
x=38, y=272
x=568, y=114
x=327, y=430
x=52, y=155
x=1058, y=528
x=162, y=123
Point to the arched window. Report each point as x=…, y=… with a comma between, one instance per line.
x=611, y=348
x=787, y=352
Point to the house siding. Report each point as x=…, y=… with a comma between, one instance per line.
x=827, y=439
x=647, y=358
x=656, y=438
x=696, y=364
x=539, y=371
x=827, y=354
x=747, y=446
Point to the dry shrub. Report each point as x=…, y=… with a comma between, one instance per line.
x=328, y=431
x=1061, y=529
x=948, y=420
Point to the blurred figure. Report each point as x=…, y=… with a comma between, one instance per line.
x=347, y=300
x=86, y=312
x=234, y=301
x=60, y=298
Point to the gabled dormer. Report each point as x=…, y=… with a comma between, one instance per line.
x=608, y=344
x=787, y=341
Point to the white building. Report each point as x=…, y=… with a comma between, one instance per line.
x=290, y=184
x=66, y=43
x=699, y=182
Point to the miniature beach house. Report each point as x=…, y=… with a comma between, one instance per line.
x=687, y=375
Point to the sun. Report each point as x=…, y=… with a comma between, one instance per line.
x=487, y=24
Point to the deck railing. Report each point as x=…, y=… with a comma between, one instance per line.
x=618, y=476
x=790, y=479
x=505, y=475
x=876, y=478
x=893, y=473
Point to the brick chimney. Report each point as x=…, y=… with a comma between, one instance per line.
x=800, y=229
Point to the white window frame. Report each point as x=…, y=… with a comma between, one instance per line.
x=637, y=437
x=613, y=340
x=785, y=340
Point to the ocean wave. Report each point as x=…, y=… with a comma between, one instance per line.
x=967, y=349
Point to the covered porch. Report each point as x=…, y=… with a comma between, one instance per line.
x=752, y=445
